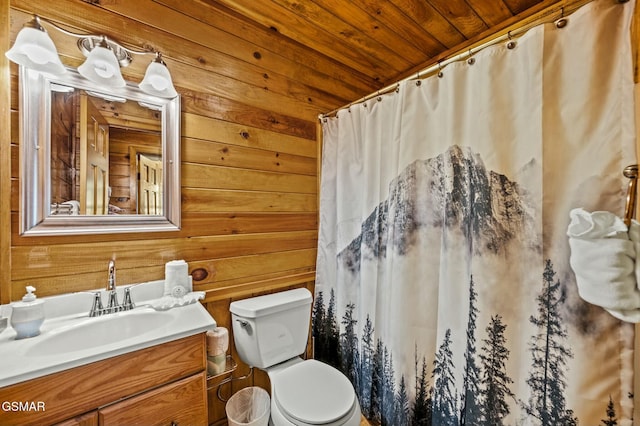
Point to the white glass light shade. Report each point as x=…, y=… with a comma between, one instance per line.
x=157, y=81
x=34, y=49
x=102, y=67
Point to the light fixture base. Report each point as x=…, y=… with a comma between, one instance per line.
x=86, y=45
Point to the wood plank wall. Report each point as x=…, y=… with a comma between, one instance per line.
x=250, y=101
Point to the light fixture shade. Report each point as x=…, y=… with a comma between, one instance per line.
x=102, y=67
x=34, y=49
x=157, y=80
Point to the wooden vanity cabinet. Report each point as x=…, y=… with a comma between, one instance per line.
x=160, y=385
x=179, y=403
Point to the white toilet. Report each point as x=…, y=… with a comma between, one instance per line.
x=270, y=333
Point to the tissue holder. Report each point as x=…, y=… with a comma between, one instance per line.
x=216, y=364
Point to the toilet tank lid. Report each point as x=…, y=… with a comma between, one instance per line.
x=270, y=303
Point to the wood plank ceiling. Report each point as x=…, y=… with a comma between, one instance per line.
x=382, y=41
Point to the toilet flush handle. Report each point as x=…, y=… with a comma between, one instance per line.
x=243, y=323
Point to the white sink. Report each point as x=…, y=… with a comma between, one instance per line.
x=70, y=338
x=97, y=332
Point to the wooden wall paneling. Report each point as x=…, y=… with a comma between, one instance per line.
x=246, y=157
x=129, y=115
x=491, y=12
x=266, y=283
x=206, y=34
x=210, y=129
x=15, y=194
x=202, y=176
x=194, y=224
x=199, y=224
x=277, y=53
x=524, y=12
x=228, y=110
x=50, y=268
x=6, y=154
x=371, y=28
x=402, y=24
x=213, y=200
x=54, y=260
x=227, y=272
x=368, y=59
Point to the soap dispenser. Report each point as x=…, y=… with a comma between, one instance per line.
x=27, y=316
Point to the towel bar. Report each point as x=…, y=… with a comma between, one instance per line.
x=631, y=172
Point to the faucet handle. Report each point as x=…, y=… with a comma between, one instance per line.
x=97, y=307
x=113, y=305
x=127, y=304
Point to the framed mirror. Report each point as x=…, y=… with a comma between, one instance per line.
x=96, y=160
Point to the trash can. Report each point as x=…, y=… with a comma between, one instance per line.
x=249, y=406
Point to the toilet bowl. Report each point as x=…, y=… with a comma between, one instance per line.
x=270, y=333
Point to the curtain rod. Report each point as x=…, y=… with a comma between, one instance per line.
x=550, y=14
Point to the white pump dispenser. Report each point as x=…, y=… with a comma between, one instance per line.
x=29, y=297
x=27, y=316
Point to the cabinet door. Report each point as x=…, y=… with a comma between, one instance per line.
x=88, y=419
x=180, y=403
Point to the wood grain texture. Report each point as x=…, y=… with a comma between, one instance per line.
x=360, y=34
x=7, y=155
x=87, y=419
x=73, y=392
x=181, y=403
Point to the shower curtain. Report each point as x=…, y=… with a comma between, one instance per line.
x=444, y=290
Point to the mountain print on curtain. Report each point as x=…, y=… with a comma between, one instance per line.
x=454, y=191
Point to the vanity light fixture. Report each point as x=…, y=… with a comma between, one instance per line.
x=157, y=80
x=101, y=65
x=34, y=49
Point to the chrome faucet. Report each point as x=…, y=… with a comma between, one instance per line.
x=113, y=306
x=111, y=283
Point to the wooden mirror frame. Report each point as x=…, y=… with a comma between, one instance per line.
x=35, y=160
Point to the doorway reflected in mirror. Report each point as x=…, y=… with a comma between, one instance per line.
x=106, y=155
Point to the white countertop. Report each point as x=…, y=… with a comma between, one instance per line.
x=37, y=356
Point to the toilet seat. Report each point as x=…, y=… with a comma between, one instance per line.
x=313, y=393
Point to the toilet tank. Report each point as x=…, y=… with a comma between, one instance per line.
x=270, y=329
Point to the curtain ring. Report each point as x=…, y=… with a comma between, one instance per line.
x=511, y=44
x=440, y=73
x=562, y=22
x=471, y=59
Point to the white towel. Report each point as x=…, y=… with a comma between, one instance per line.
x=603, y=258
x=168, y=302
x=75, y=206
x=176, y=278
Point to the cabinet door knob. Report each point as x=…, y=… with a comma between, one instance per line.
x=174, y=424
